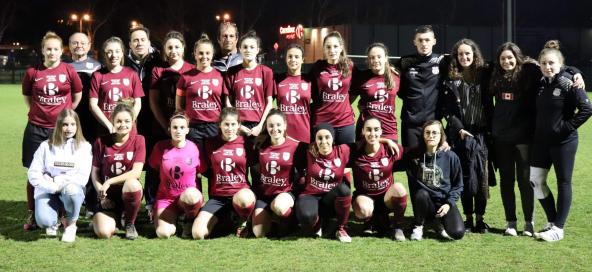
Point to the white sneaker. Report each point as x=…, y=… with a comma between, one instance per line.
x=52, y=231
x=528, y=229
x=399, y=235
x=510, y=232
x=417, y=233
x=69, y=234
x=553, y=235
x=342, y=236
x=319, y=233
x=549, y=226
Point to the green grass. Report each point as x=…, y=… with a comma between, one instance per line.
x=25, y=251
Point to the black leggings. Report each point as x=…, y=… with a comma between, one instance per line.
x=424, y=208
x=562, y=156
x=309, y=207
x=513, y=163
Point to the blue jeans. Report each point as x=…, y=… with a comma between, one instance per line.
x=47, y=206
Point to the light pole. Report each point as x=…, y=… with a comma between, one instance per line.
x=225, y=17
x=84, y=17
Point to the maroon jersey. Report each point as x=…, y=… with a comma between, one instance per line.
x=373, y=174
x=109, y=88
x=228, y=164
x=50, y=91
x=276, y=165
x=113, y=160
x=377, y=101
x=293, y=99
x=331, y=95
x=249, y=90
x=164, y=81
x=203, y=95
x=325, y=172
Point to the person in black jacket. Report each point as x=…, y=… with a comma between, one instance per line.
x=556, y=138
x=467, y=108
x=437, y=177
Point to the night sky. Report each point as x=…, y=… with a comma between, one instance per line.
x=192, y=17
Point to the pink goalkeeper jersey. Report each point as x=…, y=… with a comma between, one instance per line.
x=177, y=167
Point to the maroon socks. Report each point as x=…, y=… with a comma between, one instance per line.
x=131, y=205
x=342, y=206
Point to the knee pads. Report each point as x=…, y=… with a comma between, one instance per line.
x=538, y=181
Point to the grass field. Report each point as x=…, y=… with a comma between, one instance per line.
x=28, y=251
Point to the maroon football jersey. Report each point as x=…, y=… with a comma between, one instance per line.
x=249, y=90
x=331, y=95
x=109, y=88
x=276, y=165
x=377, y=101
x=373, y=174
x=202, y=93
x=113, y=160
x=164, y=81
x=293, y=99
x=228, y=164
x=50, y=91
x=325, y=172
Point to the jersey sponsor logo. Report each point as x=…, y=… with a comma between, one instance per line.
x=375, y=174
x=50, y=89
x=381, y=95
x=435, y=70
x=62, y=78
x=204, y=92
x=114, y=94
x=334, y=84
x=326, y=174
x=118, y=157
x=227, y=164
x=129, y=155
x=51, y=78
x=273, y=181
x=115, y=81
x=292, y=96
x=324, y=180
x=176, y=173
x=126, y=81
x=247, y=92
x=272, y=167
x=337, y=97
x=117, y=168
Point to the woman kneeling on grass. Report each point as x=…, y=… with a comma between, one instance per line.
x=437, y=175
x=59, y=172
x=376, y=192
x=325, y=193
x=225, y=157
x=117, y=166
x=177, y=161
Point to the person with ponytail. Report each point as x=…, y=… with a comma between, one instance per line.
x=177, y=161
x=48, y=88
x=59, y=172
x=279, y=171
x=377, y=88
x=226, y=157
x=561, y=108
x=200, y=93
x=118, y=159
x=162, y=103
x=294, y=94
x=330, y=89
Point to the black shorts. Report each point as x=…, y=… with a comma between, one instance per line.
x=198, y=132
x=115, y=194
x=379, y=205
x=32, y=138
x=265, y=202
x=218, y=205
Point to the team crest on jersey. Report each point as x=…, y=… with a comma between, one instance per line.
x=557, y=92
x=188, y=161
x=126, y=81
x=435, y=70
x=215, y=82
x=304, y=86
x=337, y=162
x=129, y=155
x=384, y=161
x=258, y=81
x=62, y=78
x=239, y=151
x=286, y=156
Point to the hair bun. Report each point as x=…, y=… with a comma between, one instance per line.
x=204, y=36
x=126, y=101
x=553, y=44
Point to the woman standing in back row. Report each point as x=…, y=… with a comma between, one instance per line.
x=48, y=88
